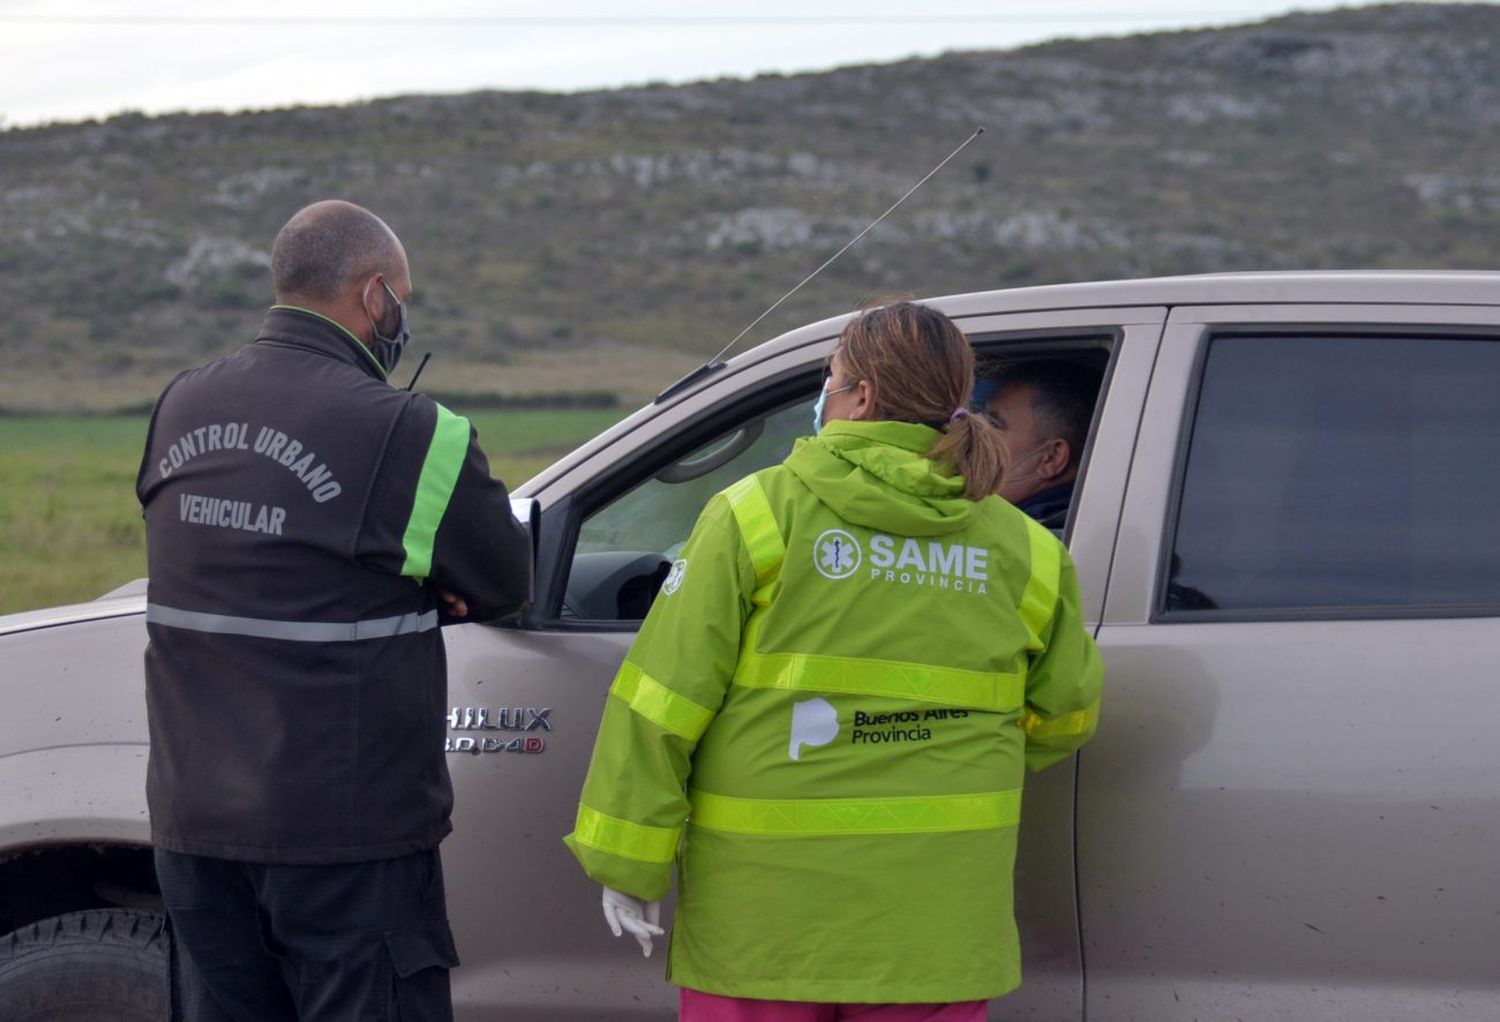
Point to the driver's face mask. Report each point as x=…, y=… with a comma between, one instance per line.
x=1023, y=459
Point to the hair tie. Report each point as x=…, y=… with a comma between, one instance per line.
x=958, y=413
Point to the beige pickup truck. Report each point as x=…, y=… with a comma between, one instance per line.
x=1288, y=533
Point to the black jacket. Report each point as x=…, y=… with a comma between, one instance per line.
x=300, y=513
x=1050, y=506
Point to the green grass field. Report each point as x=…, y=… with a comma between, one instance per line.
x=70, y=527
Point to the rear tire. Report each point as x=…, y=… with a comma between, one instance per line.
x=104, y=965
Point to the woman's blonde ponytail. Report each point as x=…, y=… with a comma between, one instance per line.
x=972, y=447
x=921, y=369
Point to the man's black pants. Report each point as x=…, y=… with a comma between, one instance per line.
x=355, y=942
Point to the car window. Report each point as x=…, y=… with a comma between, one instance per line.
x=1341, y=473
x=626, y=544
x=1072, y=373
x=626, y=547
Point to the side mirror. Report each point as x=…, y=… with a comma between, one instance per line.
x=716, y=452
x=528, y=512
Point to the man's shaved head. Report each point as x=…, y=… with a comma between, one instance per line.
x=326, y=248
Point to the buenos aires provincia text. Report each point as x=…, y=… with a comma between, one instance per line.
x=904, y=726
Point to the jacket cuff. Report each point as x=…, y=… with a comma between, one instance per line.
x=649, y=881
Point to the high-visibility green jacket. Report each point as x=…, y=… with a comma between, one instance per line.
x=825, y=720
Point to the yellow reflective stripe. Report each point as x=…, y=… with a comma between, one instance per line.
x=1082, y=722
x=1040, y=596
x=660, y=705
x=758, y=528
x=921, y=814
x=948, y=686
x=625, y=839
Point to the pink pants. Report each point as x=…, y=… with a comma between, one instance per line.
x=697, y=1006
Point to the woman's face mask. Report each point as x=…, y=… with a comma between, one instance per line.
x=823, y=400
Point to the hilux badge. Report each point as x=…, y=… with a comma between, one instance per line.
x=506, y=718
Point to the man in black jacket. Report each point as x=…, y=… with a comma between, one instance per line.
x=308, y=528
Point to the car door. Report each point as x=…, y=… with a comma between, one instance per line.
x=526, y=919
x=1052, y=965
x=1289, y=810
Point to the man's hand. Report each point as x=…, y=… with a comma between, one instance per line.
x=626, y=913
x=457, y=606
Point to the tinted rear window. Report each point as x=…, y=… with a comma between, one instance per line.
x=1341, y=472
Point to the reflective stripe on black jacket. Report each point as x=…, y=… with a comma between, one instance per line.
x=300, y=513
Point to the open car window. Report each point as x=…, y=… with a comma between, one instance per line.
x=627, y=542
x=1076, y=367
x=625, y=548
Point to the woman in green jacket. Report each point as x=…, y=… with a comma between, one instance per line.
x=827, y=715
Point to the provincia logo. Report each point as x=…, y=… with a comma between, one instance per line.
x=814, y=722
x=903, y=561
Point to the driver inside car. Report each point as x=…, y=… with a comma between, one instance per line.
x=1042, y=409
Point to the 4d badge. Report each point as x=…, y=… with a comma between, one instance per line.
x=479, y=746
x=506, y=718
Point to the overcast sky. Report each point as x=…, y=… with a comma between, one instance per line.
x=74, y=59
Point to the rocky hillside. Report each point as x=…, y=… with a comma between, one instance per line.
x=603, y=240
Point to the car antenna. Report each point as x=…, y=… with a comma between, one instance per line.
x=420, y=366
x=716, y=363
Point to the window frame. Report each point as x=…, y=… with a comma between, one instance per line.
x=726, y=403
x=1351, y=329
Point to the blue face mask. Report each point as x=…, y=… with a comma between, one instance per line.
x=822, y=400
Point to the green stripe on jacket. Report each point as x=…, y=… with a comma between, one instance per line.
x=445, y=457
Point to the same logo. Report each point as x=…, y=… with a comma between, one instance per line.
x=836, y=554
x=674, y=577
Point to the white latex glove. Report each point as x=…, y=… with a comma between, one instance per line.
x=624, y=913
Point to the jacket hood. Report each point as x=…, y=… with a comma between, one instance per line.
x=877, y=475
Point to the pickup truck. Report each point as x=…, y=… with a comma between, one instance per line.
x=1287, y=529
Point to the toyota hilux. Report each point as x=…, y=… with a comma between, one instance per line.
x=1287, y=530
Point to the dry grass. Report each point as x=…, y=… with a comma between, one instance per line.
x=70, y=527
